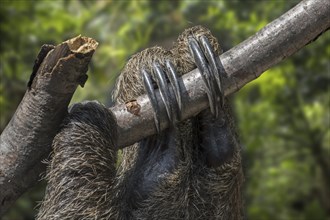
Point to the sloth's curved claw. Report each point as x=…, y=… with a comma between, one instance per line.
x=206, y=74
x=174, y=80
x=147, y=81
x=213, y=60
x=160, y=79
x=209, y=66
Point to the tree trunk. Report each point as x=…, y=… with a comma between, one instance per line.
x=27, y=139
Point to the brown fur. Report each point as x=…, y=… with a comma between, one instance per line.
x=83, y=183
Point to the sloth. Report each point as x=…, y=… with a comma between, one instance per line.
x=191, y=170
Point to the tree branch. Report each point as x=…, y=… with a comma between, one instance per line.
x=27, y=139
x=242, y=64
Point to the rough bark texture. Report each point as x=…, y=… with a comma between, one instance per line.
x=27, y=139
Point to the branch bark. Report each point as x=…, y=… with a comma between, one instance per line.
x=242, y=64
x=26, y=140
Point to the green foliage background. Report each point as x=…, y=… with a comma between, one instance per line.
x=283, y=116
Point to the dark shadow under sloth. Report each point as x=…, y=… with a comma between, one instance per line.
x=191, y=170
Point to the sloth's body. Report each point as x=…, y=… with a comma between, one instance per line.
x=191, y=170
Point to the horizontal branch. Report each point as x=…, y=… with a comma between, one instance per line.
x=243, y=63
x=26, y=140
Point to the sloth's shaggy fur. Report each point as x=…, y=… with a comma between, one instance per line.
x=166, y=176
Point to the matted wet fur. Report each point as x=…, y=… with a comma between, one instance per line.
x=172, y=175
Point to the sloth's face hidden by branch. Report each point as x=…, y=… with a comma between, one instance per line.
x=191, y=170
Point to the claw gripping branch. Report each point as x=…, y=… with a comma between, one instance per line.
x=209, y=66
